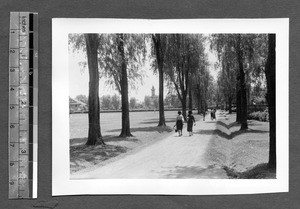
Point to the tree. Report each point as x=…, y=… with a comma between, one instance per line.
x=124, y=88
x=115, y=102
x=183, y=56
x=132, y=103
x=159, y=45
x=227, y=77
x=82, y=98
x=155, y=102
x=171, y=100
x=120, y=58
x=106, y=102
x=94, y=134
x=242, y=84
x=243, y=46
x=270, y=70
x=147, y=101
x=89, y=43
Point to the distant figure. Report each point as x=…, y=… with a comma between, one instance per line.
x=203, y=113
x=213, y=114
x=179, y=123
x=214, y=111
x=190, y=123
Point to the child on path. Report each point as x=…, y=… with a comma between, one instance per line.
x=179, y=123
x=190, y=123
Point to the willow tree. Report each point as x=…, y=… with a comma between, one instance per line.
x=243, y=47
x=227, y=76
x=202, y=80
x=182, y=60
x=89, y=43
x=159, y=42
x=121, y=58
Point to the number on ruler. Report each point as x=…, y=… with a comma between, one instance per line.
x=12, y=51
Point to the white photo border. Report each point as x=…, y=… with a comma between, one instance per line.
x=61, y=182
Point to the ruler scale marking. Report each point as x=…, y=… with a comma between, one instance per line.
x=22, y=103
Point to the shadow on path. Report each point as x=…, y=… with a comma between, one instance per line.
x=183, y=172
x=107, y=138
x=147, y=129
x=231, y=135
x=154, y=121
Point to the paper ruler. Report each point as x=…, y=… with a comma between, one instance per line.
x=23, y=104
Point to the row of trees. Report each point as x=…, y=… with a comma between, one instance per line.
x=181, y=63
x=119, y=57
x=113, y=102
x=246, y=62
x=179, y=59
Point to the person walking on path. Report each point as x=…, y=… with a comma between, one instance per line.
x=190, y=122
x=179, y=123
x=213, y=114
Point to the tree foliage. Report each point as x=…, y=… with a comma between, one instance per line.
x=110, y=60
x=185, y=54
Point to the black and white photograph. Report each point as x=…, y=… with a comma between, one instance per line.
x=173, y=105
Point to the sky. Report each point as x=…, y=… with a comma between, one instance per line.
x=79, y=79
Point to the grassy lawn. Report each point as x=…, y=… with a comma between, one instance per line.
x=143, y=127
x=243, y=154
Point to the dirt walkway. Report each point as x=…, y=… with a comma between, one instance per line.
x=173, y=157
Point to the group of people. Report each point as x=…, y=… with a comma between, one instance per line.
x=190, y=123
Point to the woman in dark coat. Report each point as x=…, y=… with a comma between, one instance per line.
x=179, y=123
x=190, y=123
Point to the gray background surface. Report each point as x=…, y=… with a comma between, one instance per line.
x=141, y=9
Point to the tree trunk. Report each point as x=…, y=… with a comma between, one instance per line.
x=238, y=99
x=190, y=99
x=242, y=85
x=199, y=99
x=162, y=121
x=124, y=89
x=183, y=103
x=230, y=105
x=159, y=58
x=94, y=134
x=271, y=97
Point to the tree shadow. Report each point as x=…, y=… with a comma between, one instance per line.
x=198, y=172
x=107, y=138
x=114, y=138
x=211, y=121
x=155, y=121
x=235, y=124
x=229, y=136
x=240, y=132
x=215, y=132
x=260, y=171
x=228, y=126
x=82, y=156
x=159, y=129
